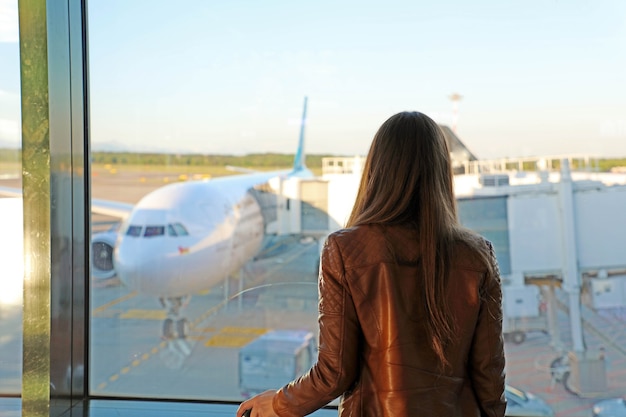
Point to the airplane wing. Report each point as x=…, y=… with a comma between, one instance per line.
x=110, y=208
x=105, y=207
x=240, y=169
x=10, y=192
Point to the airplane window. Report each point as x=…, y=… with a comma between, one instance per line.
x=152, y=231
x=134, y=231
x=170, y=230
x=180, y=229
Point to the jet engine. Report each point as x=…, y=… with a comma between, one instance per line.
x=102, y=246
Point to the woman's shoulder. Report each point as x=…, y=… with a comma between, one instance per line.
x=371, y=234
x=372, y=243
x=364, y=230
x=356, y=237
x=471, y=250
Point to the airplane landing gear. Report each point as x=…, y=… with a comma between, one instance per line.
x=175, y=326
x=168, y=329
x=182, y=328
x=175, y=331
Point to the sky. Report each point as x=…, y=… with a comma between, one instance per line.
x=537, y=77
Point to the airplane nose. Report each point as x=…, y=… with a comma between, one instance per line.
x=127, y=268
x=135, y=262
x=147, y=266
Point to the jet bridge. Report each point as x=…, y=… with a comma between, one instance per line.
x=312, y=206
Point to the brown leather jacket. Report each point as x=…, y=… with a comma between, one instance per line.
x=371, y=346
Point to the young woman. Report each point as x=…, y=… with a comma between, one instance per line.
x=410, y=309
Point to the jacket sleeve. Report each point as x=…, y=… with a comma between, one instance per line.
x=486, y=362
x=339, y=333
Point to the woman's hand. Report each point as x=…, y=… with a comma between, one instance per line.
x=260, y=405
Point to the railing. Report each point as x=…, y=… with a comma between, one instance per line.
x=588, y=163
x=342, y=165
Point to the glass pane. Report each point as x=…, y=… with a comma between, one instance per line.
x=488, y=216
x=11, y=239
x=228, y=258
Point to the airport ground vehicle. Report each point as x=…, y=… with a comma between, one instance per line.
x=275, y=358
x=613, y=407
x=524, y=312
x=522, y=403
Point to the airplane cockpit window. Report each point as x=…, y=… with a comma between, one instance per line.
x=134, y=231
x=176, y=229
x=152, y=231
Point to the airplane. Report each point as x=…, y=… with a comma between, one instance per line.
x=186, y=237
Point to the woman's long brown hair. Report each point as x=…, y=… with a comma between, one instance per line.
x=407, y=179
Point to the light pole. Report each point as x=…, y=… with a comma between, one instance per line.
x=455, y=97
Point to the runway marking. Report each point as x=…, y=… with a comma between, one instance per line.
x=227, y=337
x=135, y=363
x=232, y=336
x=144, y=314
x=112, y=303
x=244, y=330
x=206, y=314
x=230, y=341
x=112, y=313
x=206, y=329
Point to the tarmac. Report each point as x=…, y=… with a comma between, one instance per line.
x=131, y=358
x=529, y=363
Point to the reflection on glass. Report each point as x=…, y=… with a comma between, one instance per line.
x=11, y=284
x=205, y=268
x=11, y=236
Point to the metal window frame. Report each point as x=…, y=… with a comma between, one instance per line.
x=55, y=190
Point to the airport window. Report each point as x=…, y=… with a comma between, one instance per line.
x=196, y=115
x=187, y=103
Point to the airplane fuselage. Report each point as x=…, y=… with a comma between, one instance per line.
x=187, y=237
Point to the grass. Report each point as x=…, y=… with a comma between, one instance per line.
x=209, y=171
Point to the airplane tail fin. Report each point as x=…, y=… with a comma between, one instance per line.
x=299, y=160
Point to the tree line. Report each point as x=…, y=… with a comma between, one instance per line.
x=256, y=160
